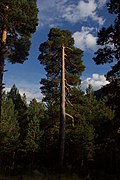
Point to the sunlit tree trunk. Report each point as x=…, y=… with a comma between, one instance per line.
x=2, y=59
x=62, y=109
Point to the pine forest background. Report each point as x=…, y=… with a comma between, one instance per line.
x=30, y=132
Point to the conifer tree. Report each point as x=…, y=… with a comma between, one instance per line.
x=51, y=57
x=18, y=20
x=9, y=134
x=109, y=52
x=21, y=108
x=35, y=117
x=109, y=40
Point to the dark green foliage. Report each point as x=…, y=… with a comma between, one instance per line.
x=97, y=113
x=35, y=117
x=109, y=39
x=19, y=101
x=94, y=139
x=113, y=100
x=79, y=145
x=9, y=134
x=114, y=7
x=23, y=45
x=113, y=90
x=21, y=108
x=50, y=56
x=29, y=133
x=102, y=116
x=49, y=145
x=93, y=123
x=9, y=124
x=31, y=144
x=19, y=18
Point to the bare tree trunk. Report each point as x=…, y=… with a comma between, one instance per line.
x=62, y=109
x=2, y=59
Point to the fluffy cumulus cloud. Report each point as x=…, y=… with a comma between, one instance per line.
x=85, y=39
x=82, y=11
x=97, y=81
x=50, y=12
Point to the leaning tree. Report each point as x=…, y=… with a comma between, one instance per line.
x=18, y=20
x=58, y=48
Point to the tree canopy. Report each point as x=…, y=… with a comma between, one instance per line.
x=109, y=40
x=50, y=56
x=18, y=20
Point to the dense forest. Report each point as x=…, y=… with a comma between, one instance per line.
x=35, y=135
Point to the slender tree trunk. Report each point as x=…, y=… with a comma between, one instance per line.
x=62, y=109
x=13, y=160
x=2, y=59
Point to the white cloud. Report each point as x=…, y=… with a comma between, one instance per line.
x=85, y=39
x=54, y=11
x=99, y=19
x=31, y=90
x=49, y=11
x=82, y=11
x=31, y=94
x=97, y=81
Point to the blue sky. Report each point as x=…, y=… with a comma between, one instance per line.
x=83, y=18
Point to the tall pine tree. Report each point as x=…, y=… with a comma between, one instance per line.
x=18, y=20
x=51, y=57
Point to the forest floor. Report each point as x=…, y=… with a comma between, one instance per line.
x=55, y=177
x=41, y=177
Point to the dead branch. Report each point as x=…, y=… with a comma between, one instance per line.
x=67, y=100
x=72, y=119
